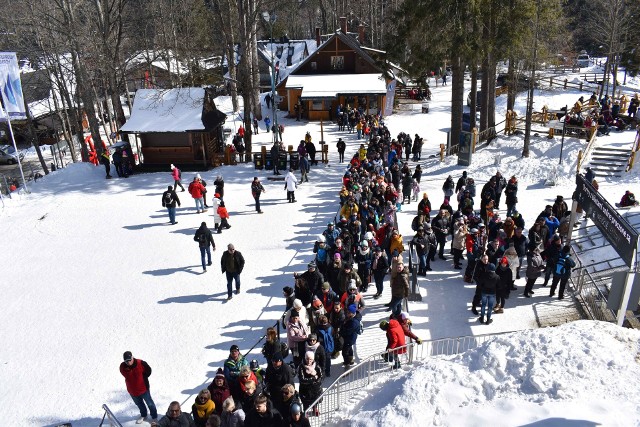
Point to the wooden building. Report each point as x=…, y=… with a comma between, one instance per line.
x=339, y=72
x=179, y=126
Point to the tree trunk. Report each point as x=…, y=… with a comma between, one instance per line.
x=484, y=95
x=474, y=90
x=457, y=95
x=512, y=84
x=532, y=78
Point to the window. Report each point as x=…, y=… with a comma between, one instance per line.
x=337, y=62
x=317, y=105
x=314, y=66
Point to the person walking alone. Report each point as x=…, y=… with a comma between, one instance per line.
x=177, y=177
x=169, y=200
x=232, y=263
x=290, y=184
x=256, y=191
x=205, y=239
x=136, y=374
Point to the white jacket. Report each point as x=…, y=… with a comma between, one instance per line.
x=215, y=203
x=291, y=181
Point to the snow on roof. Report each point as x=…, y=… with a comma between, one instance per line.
x=159, y=59
x=170, y=110
x=301, y=50
x=332, y=85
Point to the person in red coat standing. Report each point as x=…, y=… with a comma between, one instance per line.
x=197, y=190
x=395, y=341
x=136, y=374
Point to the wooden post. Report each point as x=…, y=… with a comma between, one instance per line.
x=321, y=129
x=551, y=82
x=624, y=101
x=441, y=153
x=580, y=86
x=579, y=161
x=474, y=135
x=565, y=83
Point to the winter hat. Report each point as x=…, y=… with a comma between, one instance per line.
x=321, y=239
x=277, y=357
x=384, y=324
x=312, y=264
x=288, y=290
x=219, y=374
x=352, y=309
x=566, y=249
x=326, y=285
x=352, y=284
x=172, y=167
x=296, y=409
x=297, y=304
x=216, y=195
x=198, y=176
x=127, y=356
x=254, y=365
x=556, y=237
x=234, y=348
x=294, y=313
x=504, y=260
x=337, y=256
x=491, y=267
x=313, y=337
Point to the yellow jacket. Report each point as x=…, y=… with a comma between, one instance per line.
x=396, y=243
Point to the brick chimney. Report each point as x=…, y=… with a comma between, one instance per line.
x=361, y=34
x=343, y=24
x=318, y=36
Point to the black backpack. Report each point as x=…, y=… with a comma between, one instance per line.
x=201, y=238
x=167, y=198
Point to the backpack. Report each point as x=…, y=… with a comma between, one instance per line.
x=179, y=173
x=327, y=339
x=201, y=238
x=167, y=198
x=561, y=265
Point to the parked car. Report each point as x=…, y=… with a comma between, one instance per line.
x=9, y=158
x=583, y=60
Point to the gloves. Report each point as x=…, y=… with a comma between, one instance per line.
x=419, y=341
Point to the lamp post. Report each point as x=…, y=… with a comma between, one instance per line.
x=270, y=18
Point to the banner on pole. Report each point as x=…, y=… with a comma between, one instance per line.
x=390, y=98
x=11, y=87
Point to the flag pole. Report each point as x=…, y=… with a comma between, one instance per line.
x=15, y=147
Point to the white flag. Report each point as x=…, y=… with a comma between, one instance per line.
x=10, y=86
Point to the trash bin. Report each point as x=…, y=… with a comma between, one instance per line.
x=294, y=161
x=282, y=161
x=425, y=107
x=258, y=161
x=268, y=162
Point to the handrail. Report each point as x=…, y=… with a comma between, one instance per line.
x=113, y=421
x=587, y=149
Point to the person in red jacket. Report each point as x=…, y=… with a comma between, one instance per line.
x=395, y=341
x=197, y=190
x=136, y=376
x=177, y=177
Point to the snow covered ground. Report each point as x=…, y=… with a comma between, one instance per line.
x=93, y=269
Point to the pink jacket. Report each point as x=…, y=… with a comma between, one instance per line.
x=175, y=173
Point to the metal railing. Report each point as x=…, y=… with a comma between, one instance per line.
x=111, y=419
x=346, y=387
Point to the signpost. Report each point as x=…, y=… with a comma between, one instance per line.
x=622, y=236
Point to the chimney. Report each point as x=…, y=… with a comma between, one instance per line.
x=343, y=24
x=361, y=34
x=318, y=36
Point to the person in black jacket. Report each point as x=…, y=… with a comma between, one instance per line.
x=341, y=147
x=219, y=183
x=288, y=400
x=262, y=414
x=205, y=239
x=232, y=263
x=504, y=287
x=490, y=281
x=278, y=375
x=501, y=183
x=478, y=275
x=310, y=375
x=379, y=266
x=421, y=245
x=313, y=279
x=169, y=200
x=441, y=225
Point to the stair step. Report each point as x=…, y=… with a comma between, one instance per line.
x=609, y=157
x=605, y=166
x=611, y=149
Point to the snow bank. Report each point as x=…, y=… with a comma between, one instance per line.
x=529, y=376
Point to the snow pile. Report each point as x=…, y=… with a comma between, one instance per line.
x=557, y=369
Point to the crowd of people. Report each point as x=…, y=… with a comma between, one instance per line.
x=602, y=114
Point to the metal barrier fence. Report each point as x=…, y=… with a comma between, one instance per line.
x=111, y=419
x=589, y=292
x=346, y=387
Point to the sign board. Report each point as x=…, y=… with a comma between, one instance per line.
x=622, y=236
x=614, y=300
x=465, y=149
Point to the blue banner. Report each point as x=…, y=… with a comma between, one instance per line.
x=11, y=87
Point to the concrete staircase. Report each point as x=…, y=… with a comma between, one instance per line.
x=609, y=162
